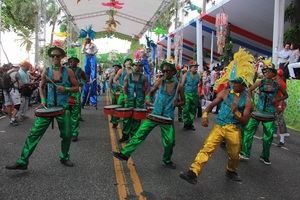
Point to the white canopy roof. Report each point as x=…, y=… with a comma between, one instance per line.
x=135, y=17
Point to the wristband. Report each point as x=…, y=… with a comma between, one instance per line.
x=148, y=98
x=67, y=89
x=205, y=115
x=43, y=100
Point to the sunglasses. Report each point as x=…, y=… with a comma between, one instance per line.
x=55, y=55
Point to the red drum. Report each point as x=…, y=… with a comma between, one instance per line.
x=160, y=119
x=49, y=112
x=123, y=112
x=150, y=109
x=109, y=110
x=139, y=113
x=263, y=116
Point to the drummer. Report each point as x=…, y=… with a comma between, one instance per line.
x=119, y=81
x=164, y=105
x=114, y=89
x=76, y=109
x=65, y=84
x=267, y=97
x=190, y=81
x=135, y=90
x=234, y=112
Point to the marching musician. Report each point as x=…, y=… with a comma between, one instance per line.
x=114, y=91
x=76, y=109
x=234, y=112
x=165, y=102
x=190, y=81
x=135, y=90
x=119, y=81
x=60, y=83
x=267, y=97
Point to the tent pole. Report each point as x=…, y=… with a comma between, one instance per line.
x=212, y=47
x=278, y=26
x=169, y=47
x=199, y=44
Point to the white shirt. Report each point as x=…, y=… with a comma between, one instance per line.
x=294, y=57
x=90, y=49
x=283, y=56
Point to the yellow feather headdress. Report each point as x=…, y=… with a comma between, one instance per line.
x=240, y=67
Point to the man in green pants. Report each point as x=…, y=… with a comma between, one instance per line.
x=190, y=81
x=119, y=81
x=57, y=95
x=164, y=106
x=268, y=88
x=114, y=90
x=135, y=90
x=76, y=108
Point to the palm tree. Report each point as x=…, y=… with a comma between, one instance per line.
x=292, y=15
x=52, y=14
x=25, y=37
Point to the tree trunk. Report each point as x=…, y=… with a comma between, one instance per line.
x=4, y=52
x=52, y=31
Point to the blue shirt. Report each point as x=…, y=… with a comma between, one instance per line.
x=191, y=82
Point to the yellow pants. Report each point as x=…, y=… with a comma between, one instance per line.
x=232, y=135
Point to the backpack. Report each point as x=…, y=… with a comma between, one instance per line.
x=6, y=82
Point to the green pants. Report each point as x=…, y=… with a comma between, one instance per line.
x=168, y=139
x=75, y=115
x=39, y=128
x=248, y=133
x=120, y=101
x=190, y=107
x=130, y=125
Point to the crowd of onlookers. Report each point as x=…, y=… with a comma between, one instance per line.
x=18, y=90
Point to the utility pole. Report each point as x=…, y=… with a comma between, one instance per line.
x=37, y=29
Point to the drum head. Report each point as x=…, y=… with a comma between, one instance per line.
x=124, y=109
x=112, y=106
x=49, y=110
x=140, y=110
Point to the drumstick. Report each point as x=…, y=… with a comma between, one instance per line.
x=50, y=80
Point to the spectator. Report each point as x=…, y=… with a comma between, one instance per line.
x=294, y=60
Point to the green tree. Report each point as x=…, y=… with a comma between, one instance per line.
x=25, y=38
x=292, y=15
x=52, y=13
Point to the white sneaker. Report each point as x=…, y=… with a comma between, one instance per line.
x=286, y=135
x=242, y=157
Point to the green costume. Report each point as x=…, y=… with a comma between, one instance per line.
x=267, y=92
x=191, y=98
x=114, y=100
x=163, y=106
x=54, y=98
x=121, y=99
x=76, y=109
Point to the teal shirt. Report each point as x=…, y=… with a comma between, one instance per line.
x=135, y=89
x=24, y=76
x=225, y=115
x=191, y=84
x=122, y=77
x=163, y=104
x=52, y=93
x=267, y=92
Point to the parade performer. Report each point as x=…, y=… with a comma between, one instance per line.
x=190, y=81
x=135, y=90
x=119, y=81
x=164, y=105
x=114, y=90
x=76, y=109
x=57, y=95
x=234, y=112
x=179, y=77
x=268, y=88
x=280, y=107
x=90, y=68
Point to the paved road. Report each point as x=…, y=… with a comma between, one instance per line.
x=97, y=175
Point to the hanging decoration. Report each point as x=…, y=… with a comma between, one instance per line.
x=178, y=45
x=114, y=4
x=221, y=27
x=158, y=30
x=88, y=32
x=62, y=31
x=58, y=43
x=189, y=6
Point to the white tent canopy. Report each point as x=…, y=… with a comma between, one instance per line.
x=135, y=18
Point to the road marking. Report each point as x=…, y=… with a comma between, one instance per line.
x=137, y=185
x=119, y=172
x=274, y=144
